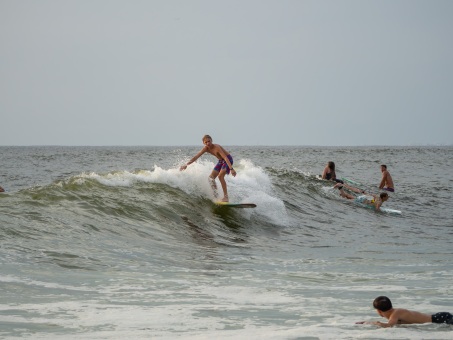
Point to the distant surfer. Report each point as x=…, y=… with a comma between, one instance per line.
x=396, y=316
x=386, y=181
x=368, y=199
x=2, y=190
x=329, y=173
x=222, y=168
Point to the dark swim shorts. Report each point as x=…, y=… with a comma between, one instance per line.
x=442, y=317
x=388, y=189
x=221, y=164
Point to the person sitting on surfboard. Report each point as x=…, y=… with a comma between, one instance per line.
x=373, y=200
x=386, y=181
x=222, y=168
x=329, y=173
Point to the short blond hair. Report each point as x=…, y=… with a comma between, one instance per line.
x=206, y=137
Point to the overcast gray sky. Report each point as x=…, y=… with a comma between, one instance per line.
x=247, y=72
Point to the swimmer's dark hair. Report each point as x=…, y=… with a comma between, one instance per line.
x=382, y=303
x=331, y=165
x=384, y=166
x=383, y=194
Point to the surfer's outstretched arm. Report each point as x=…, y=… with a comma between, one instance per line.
x=194, y=158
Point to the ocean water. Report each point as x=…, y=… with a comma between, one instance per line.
x=116, y=242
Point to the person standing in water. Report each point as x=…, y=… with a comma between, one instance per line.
x=386, y=181
x=222, y=168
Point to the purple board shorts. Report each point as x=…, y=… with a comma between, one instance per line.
x=221, y=164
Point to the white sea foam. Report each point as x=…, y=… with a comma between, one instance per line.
x=250, y=185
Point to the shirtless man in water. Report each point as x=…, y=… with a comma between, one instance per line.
x=396, y=316
x=386, y=181
x=222, y=168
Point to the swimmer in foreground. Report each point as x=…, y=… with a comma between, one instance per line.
x=397, y=316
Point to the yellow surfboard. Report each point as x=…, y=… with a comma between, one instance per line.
x=236, y=205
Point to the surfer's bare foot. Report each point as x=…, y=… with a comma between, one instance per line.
x=225, y=199
x=338, y=186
